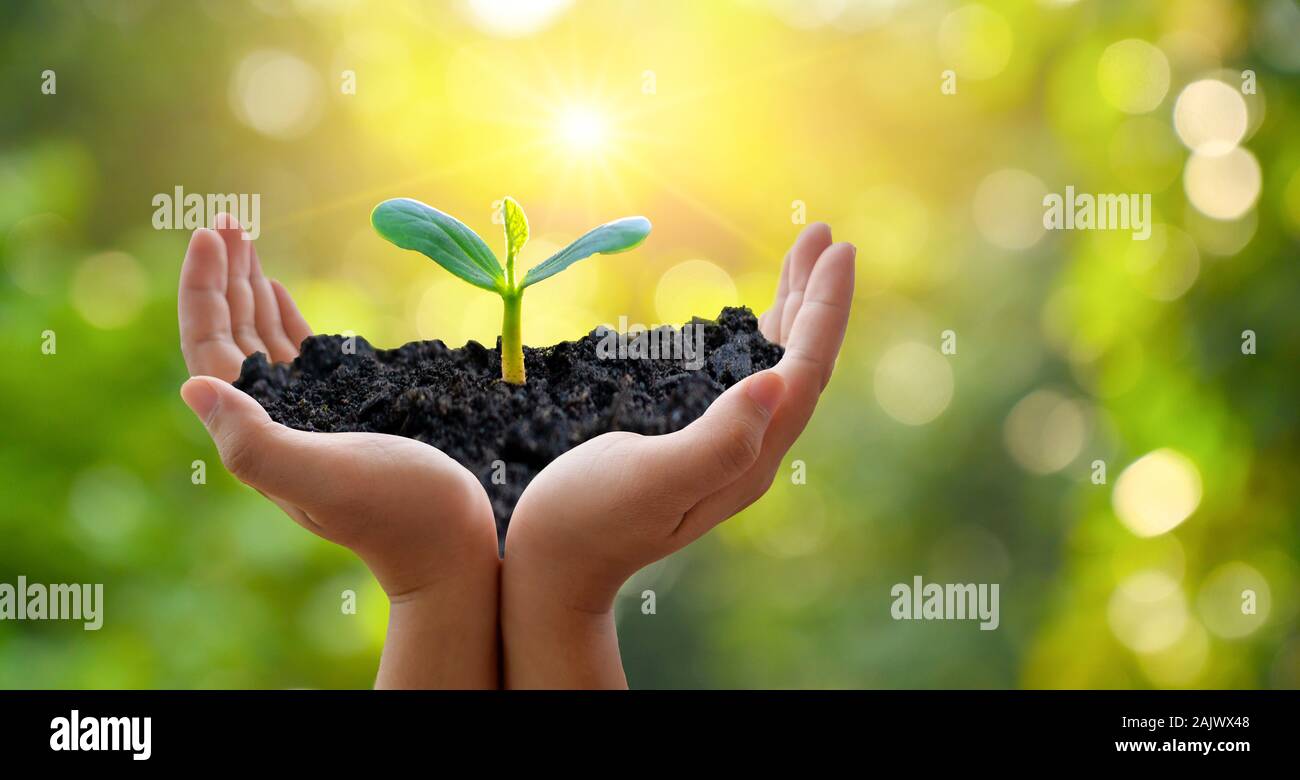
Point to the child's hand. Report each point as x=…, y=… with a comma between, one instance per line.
x=420, y=521
x=605, y=509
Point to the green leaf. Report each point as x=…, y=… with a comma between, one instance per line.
x=441, y=237
x=516, y=226
x=608, y=239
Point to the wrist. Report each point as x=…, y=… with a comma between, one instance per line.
x=410, y=566
x=553, y=571
x=553, y=646
x=558, y=629
x=445, y=634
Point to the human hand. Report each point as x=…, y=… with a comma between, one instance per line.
x=605, y=509
x=421, y=522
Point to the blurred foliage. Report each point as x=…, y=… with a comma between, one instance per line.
x=714, y=120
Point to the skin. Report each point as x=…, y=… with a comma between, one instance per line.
x=420, y=521
x=621, y=501
x=423, y=523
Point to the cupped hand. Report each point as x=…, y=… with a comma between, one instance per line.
x=415, y=516
x=604, y=509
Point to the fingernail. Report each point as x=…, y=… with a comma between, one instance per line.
x=226, y=221
x=201, y=397
x=767, y=389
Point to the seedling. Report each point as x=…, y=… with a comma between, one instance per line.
x=448, y=242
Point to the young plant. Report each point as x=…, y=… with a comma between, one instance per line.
x=447, y=241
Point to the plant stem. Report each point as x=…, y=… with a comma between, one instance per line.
x=512, y=345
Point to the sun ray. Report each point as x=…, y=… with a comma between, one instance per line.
x=461, y=166
x=733, y=82
x=697, y=205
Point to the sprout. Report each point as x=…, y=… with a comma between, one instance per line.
x=446, y=240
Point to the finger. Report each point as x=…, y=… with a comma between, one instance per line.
x=803, y=255
x=721, y=445
x=818, y=331
x=810, y=355
x=295, y=325
x=239, y=289
x=267, y=314
x=206, y=340
x=292, y=467
x=770, y=323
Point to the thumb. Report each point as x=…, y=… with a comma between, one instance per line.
x=725, y=442
x=237, y=424
x=252, y=447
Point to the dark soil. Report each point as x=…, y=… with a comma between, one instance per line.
x=454, y=399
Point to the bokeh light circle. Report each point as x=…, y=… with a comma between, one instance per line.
x=109, y=288
x=913, y=383
x=1045, y=431
x=975, y=41
x=1147, y=612
x=276, y=94
x=1223, y=600
x=1223, y=238
x=1166, y=265
x=1210, y=117
x=1008, y=208
x=693, y=288
x=1223, y=186
x=1181, y=663
x=1133, y=75
x=1157, y=492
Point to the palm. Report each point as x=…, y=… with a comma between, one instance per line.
x=406, y=507
x=650, y=498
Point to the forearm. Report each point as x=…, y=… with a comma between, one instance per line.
x=548, y=641
x=445, y=635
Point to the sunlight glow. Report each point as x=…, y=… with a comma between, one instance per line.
x=515, y=18
x=583, y=129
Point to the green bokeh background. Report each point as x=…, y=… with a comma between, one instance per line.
x=720, y=117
